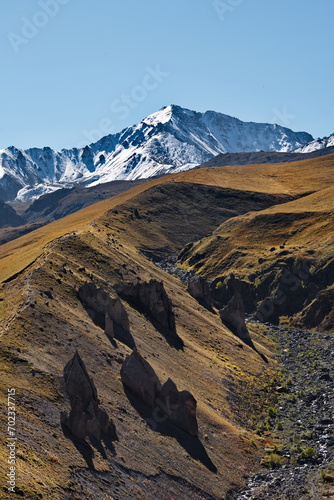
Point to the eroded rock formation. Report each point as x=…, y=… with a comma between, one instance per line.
x=233, y=316
x=106, y=312
x=178, y=406
x=86, y=418
x=138, y=375
x=152, y=299
x=199, y=288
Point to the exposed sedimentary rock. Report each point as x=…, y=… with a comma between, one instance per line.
x=199, y=288
x=138, y=375
x=233, y=316
x=85, y=418
x=151, y=299
x=179, y=407
x=320, y=313
x=106, y=312
x=224, y=288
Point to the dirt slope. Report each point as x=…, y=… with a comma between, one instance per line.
x=285, y=256
x=43, y=325
x=111, y=243
x=291, y=178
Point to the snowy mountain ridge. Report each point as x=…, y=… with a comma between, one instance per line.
x=325, y=142
x=172, y=139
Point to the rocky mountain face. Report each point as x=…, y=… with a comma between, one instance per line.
x=263, y=157
x=8, y=216
x=170, y=140
x=317, y=145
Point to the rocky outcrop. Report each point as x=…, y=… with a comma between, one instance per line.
x=151, y=299
x=8, y=216
x=138, y=375
x=233, y=317
x=320, y=313
x=178, y=407
x=199, y=288
x=106, y=312
x=86, y=418
x=223, y=288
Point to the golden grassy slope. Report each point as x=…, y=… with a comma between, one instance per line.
x=288, y=178
x=40, y=335
x=285, y=254
x=300, y=226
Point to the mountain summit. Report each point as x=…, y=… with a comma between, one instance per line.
x=171, y=140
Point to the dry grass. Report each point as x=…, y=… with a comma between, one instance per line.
x=297, y=227
x=48, y=334
x=288, y=178
x=41, y=334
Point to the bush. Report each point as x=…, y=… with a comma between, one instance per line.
x=308, y=453
x=272, y=461
x=327, y=476
x=271, y=412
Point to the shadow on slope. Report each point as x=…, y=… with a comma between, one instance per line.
x=158, y=423
x=86, y=448
x=164, y=218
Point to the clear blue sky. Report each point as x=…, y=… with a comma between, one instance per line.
x=259, y=60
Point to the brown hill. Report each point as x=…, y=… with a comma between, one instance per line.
x=45, y=323
x=285, y=256
x=112, y=244
x=295, y=179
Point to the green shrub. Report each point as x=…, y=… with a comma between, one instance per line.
x=257, y=282
x=327, y=476
x=272, y=461
x=308, y=453
x=272, y=412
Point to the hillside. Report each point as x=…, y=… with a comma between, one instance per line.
x=44, y=323
x=116, y=244
x=283, y=257
x=260, y=157
x=8, y=216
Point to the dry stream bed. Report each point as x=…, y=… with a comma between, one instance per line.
x=301, y=466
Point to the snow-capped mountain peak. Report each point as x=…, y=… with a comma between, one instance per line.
x=164, y=115
x=170, y=140
x=317, y=144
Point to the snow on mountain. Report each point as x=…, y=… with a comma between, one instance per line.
x=317, y=144
x=170, y=140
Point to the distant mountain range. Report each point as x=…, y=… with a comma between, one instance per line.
x=171, y=140
x=317, y=145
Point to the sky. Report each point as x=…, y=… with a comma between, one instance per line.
x=73, y=71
